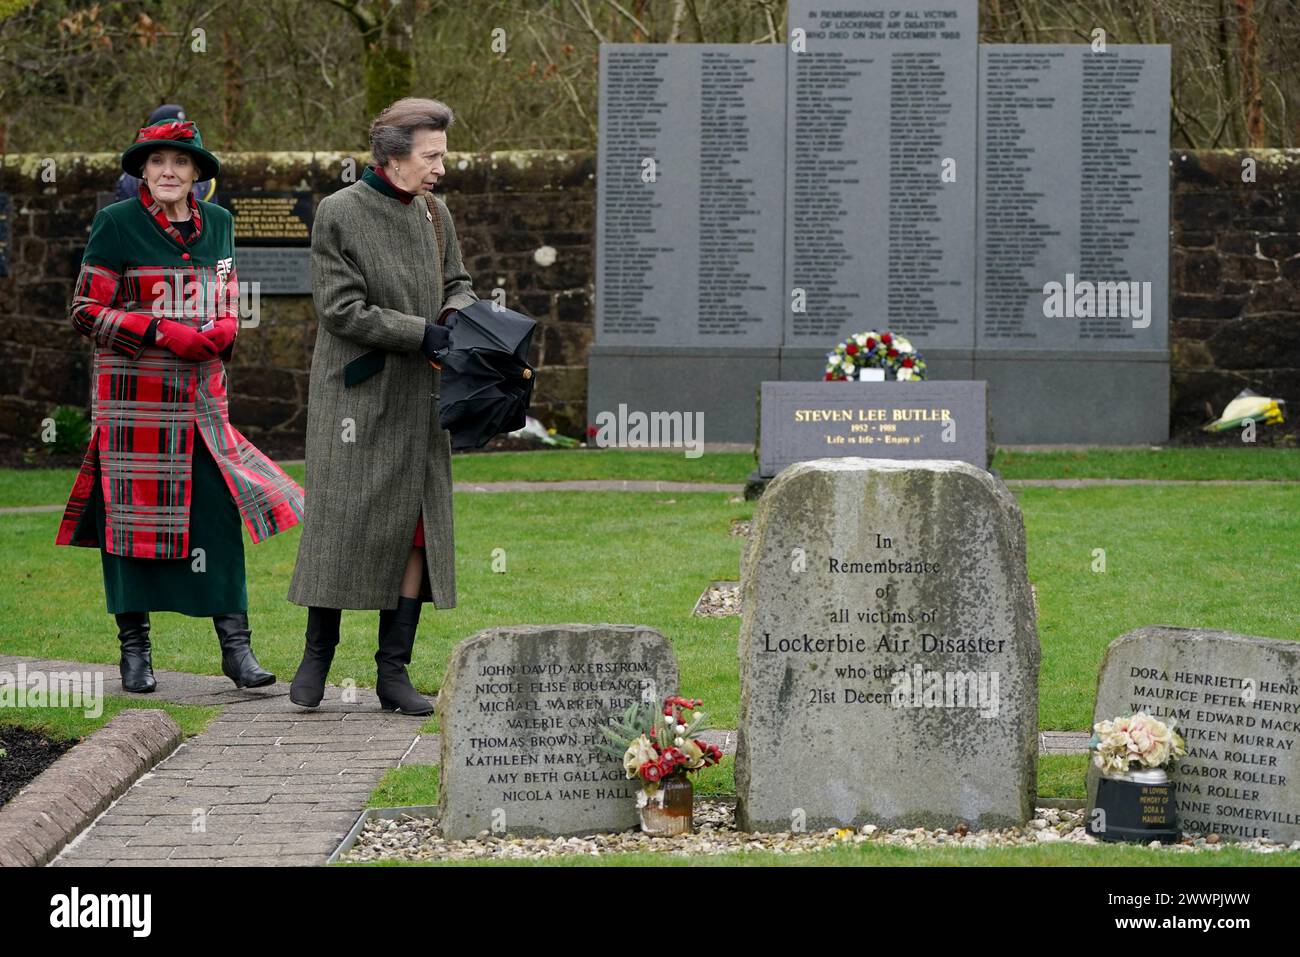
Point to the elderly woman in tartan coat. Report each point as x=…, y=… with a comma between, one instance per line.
x=387, y=278
x=168, y=483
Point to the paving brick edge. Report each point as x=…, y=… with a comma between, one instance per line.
x=65, y=798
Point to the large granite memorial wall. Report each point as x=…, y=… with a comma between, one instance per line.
x=912, y=179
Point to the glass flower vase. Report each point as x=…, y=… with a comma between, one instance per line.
x=667, y=812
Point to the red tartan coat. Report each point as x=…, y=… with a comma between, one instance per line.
x=149, y=404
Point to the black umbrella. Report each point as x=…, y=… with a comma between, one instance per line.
x=487, y=382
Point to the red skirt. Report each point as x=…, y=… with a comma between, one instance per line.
x=418, y=541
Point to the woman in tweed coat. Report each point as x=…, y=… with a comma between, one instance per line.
x=167, y=479
x=378, y=528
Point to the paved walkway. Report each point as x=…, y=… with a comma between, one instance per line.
x=268, y=783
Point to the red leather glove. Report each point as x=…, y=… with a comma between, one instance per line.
x=222, y=334
x=185, y=341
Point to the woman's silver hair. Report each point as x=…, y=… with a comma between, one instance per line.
x=393, y=130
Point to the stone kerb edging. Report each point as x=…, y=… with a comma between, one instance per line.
x=68, y=795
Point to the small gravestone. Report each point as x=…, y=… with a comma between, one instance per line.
x=1236, y=702
x=521, y=710
x=888, y=650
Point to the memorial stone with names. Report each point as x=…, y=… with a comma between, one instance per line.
x=521, y=709
x=1235, y=700
x=689, y=194
x=889, y=655
x=1074, y=190
x=880, y=195
x=931, y=185
x=273, y=239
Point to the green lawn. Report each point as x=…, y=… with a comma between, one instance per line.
x=572, y=556
x=22, y=487
x=64, y=724
x=1212, y=556
x=1234, y=464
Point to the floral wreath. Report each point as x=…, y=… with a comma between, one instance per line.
x=875, y=350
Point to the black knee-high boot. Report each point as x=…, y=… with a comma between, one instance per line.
x=238, y=662
x=396, y=640
x=136, y=665
x=308, y=686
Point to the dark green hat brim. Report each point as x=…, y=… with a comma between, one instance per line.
x=135, y=155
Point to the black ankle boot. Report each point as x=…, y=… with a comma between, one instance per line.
x=137, y=655
x=237, y=660
x=322, y=637
x=396, y=639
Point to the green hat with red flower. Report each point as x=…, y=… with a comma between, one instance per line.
x=171, y=134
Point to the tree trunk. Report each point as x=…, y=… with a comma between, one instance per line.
x=1252, y=90
x=388, y=54
x=232, y=87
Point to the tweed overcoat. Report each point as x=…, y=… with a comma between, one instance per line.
x=150, y=406
x=377, y=458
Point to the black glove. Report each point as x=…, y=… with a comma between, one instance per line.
x=436, y=339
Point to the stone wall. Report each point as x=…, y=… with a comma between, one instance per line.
x=1235, y=275
x=1235, y=281
x=506, y=207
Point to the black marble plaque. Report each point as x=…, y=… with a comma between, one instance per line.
x=271, y=217
x=800, y=421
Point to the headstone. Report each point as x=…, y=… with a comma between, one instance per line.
x=689, y=194
x=887, y=420
x=880, y=194
x=1236, y=702
x=888, y=651
x=521, y=710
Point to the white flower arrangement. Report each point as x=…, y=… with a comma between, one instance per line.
x=1135, y=742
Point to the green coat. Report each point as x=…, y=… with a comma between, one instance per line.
x=377, y=459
